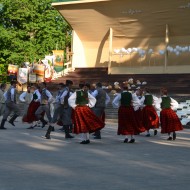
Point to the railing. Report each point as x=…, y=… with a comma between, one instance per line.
x=68, y=68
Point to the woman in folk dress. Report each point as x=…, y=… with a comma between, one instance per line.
x=85, y=121
x=169, y=120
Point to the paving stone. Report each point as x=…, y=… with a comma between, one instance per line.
x=30, y=162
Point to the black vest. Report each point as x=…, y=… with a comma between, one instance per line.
x=66, y=104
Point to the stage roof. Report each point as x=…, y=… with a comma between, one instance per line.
x=129, y=18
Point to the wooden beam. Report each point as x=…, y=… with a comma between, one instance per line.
x=110, y=50
x=166, y=45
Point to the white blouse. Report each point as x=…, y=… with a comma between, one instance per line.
x=174, y=103
x=135, y=101
x=72, y=100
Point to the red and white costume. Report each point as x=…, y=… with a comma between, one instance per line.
x=127, y=103
x=149, y=114
x=85, y=121
x=168, y=118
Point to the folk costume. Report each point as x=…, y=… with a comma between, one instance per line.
x=138, y=114
x=10, y=106
x=169, y=120
x=58, y=107
x=26, y=98
x=30, y=117
x=127, y=124
x=102, y=99
x=85, y=121
x=45, y=100
x=63, y=110
x=66, y=112
x=149, y=115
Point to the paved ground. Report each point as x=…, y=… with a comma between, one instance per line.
x=29, y=162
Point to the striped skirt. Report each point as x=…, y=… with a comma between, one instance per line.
x=139, y=120
x=30, y=116
x=150, y=117
x=169, y=121
x=85, y=121
x=127, y=124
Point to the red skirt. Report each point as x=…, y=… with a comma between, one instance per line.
x=169, y=121
x=127, y=124
x=85, y=121
x=30, y=116
x=140, y=127
x=150, y=117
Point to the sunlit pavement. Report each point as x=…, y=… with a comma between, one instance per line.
x=30, y=162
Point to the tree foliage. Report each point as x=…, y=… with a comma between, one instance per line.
x=30, y=29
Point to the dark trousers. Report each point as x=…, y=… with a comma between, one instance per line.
x=11, y=107
x=43, y=108
x=98, y=112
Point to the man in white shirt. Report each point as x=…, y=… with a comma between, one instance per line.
x=45, y=100
x=10, y=105
x=67, y=110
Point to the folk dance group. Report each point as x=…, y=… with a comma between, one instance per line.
x=83, y=111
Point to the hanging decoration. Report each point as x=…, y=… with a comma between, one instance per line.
x=177, y=50
x=58, y=61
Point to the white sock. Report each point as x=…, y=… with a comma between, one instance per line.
x=82, y=137
x=34, y=123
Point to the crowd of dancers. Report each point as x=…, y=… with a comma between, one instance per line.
x=83, y=111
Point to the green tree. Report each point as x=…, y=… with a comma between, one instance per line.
x=30, y=29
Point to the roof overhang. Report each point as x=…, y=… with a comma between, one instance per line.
x=128, y=18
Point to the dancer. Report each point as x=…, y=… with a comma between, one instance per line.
x=58, y=109
x=85, y=121
x=102, y=99
x=67, y=110
x=10, y=105
x=169, y=120
x=63, y=110
x=45, y=100
x=138, y=112
x=127, y=124
x=26, y=98
x=149, y=114
x=30, y=117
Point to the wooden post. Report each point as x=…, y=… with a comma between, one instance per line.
x=67, y=54
x=110, y=50
x=166, y=45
